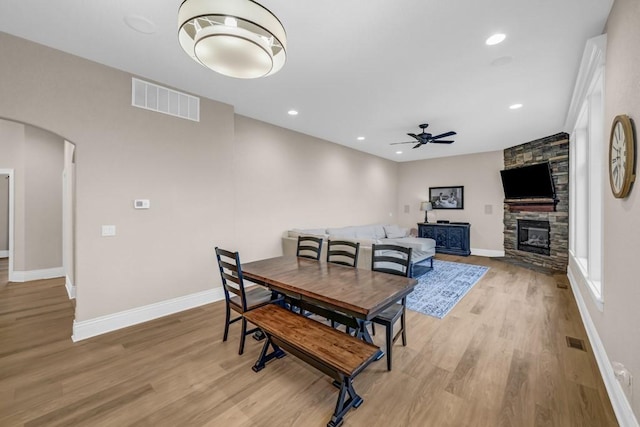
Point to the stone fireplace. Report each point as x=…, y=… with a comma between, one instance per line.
x=533, y=235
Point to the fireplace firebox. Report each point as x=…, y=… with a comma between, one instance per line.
x=533, y=236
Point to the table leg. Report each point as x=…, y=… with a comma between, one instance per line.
x=363, y=333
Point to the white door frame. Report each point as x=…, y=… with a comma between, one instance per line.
x=68, y=218
x=11, y=209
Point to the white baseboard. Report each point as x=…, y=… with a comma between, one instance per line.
x=71, y=288
x=111, y=322
x=46, y=273
x=4, y=254
x=621, y=405
x=487, y=252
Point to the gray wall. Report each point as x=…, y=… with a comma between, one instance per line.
x=226, y=180
x=44, y=161
x=479, y=174
x=37, y=159
x=619, y=321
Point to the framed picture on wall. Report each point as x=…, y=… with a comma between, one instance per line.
x=447, y=197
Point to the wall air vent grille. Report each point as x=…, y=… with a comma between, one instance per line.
x=163, y=100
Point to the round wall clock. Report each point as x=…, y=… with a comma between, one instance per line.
x=621, y=156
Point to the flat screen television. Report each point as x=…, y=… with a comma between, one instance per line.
x=528, y=182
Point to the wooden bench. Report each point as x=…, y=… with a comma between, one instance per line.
x=333, y=352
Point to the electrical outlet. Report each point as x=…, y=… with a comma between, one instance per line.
x=624, y=377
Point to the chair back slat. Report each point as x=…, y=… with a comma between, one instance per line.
x=229, y=266
x=232, y=278
x=309, y=247
x=226, y=253
x=392, y=259
x=343, y=252
x=231, y=275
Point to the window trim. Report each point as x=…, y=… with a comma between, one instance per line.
x=585, y=123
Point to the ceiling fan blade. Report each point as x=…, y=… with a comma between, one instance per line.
x=443, y=135
x=442, y=142
x=418, y=144
x=413, y=135
x=396, y=143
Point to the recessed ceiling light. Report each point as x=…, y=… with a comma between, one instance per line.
x=361, y=138
x=398, y=152
x=293, y=112
x=495, y=39
x=503, y=60
x=140, y=24
x=515, y=106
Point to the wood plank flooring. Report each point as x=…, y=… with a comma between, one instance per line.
x=499, y=358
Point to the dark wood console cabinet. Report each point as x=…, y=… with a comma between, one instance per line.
x=452, y=238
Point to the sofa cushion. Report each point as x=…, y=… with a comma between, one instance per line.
x=343, y=232
x=419, y=256
x=416, y=243
x=321, y=232
x=363, y=242
x=394, y=231
x=375, y=231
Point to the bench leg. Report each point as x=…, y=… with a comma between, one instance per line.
x=276, y=353
x=344, y=402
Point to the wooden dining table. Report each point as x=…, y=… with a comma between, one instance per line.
x=338, y=292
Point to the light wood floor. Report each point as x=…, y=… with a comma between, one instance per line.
x=499, y=358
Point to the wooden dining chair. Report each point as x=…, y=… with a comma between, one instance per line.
x=396, y=260
x=237, y=297
x=343, y=252
x=309, y=247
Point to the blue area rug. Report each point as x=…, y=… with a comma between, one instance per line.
x=440, y=289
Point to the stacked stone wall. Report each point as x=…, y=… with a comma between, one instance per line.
x=555, y=150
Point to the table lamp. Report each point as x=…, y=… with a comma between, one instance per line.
x=426, y=207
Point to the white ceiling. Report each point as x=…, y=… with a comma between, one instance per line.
x=375, y=68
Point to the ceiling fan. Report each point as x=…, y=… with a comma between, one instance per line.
x=424, y=137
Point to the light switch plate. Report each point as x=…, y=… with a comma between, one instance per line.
x=141, y=204
x=108, y=230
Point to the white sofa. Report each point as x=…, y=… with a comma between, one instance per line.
x=423, y=248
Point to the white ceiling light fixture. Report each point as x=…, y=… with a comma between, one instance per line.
x=236, y=38
x=515, y=106
x=495, y=39
x=292, y=112
x=360, y=138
